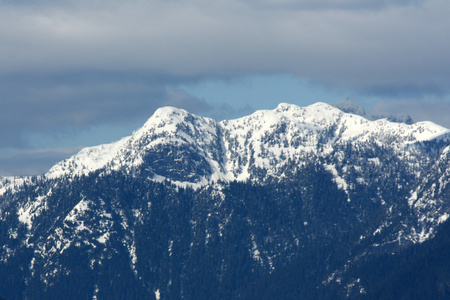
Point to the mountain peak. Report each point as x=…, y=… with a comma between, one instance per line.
x=168, y=111
x=165, y=116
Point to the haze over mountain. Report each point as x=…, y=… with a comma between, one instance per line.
x=295, y=202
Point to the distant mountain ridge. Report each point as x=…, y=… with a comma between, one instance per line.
x=350, y=107
x=187, y=206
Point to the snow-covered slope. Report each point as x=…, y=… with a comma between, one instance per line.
x=231, y=149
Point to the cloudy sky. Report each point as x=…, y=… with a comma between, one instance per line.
x=80, y=73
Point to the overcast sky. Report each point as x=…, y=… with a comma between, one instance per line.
x=80, y=73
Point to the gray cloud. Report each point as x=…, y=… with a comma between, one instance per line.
x=369, y=50
x=331, y=4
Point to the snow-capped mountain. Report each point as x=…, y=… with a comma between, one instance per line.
x=187, y=206
x=231, y=149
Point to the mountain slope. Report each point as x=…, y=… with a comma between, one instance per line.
x=295, y=198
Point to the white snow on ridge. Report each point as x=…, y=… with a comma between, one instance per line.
x=264, y=139
x=127, y=153
x=88, y=160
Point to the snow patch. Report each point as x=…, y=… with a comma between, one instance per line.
x=32, y=209
x=340, y=182
x=443, y=218
x=104, y=238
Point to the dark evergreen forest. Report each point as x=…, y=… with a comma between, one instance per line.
x=280, y=240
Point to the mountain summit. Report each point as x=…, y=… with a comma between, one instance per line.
x=295, y=202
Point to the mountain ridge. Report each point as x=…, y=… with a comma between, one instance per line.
x=176, y=126
x=189, y=207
